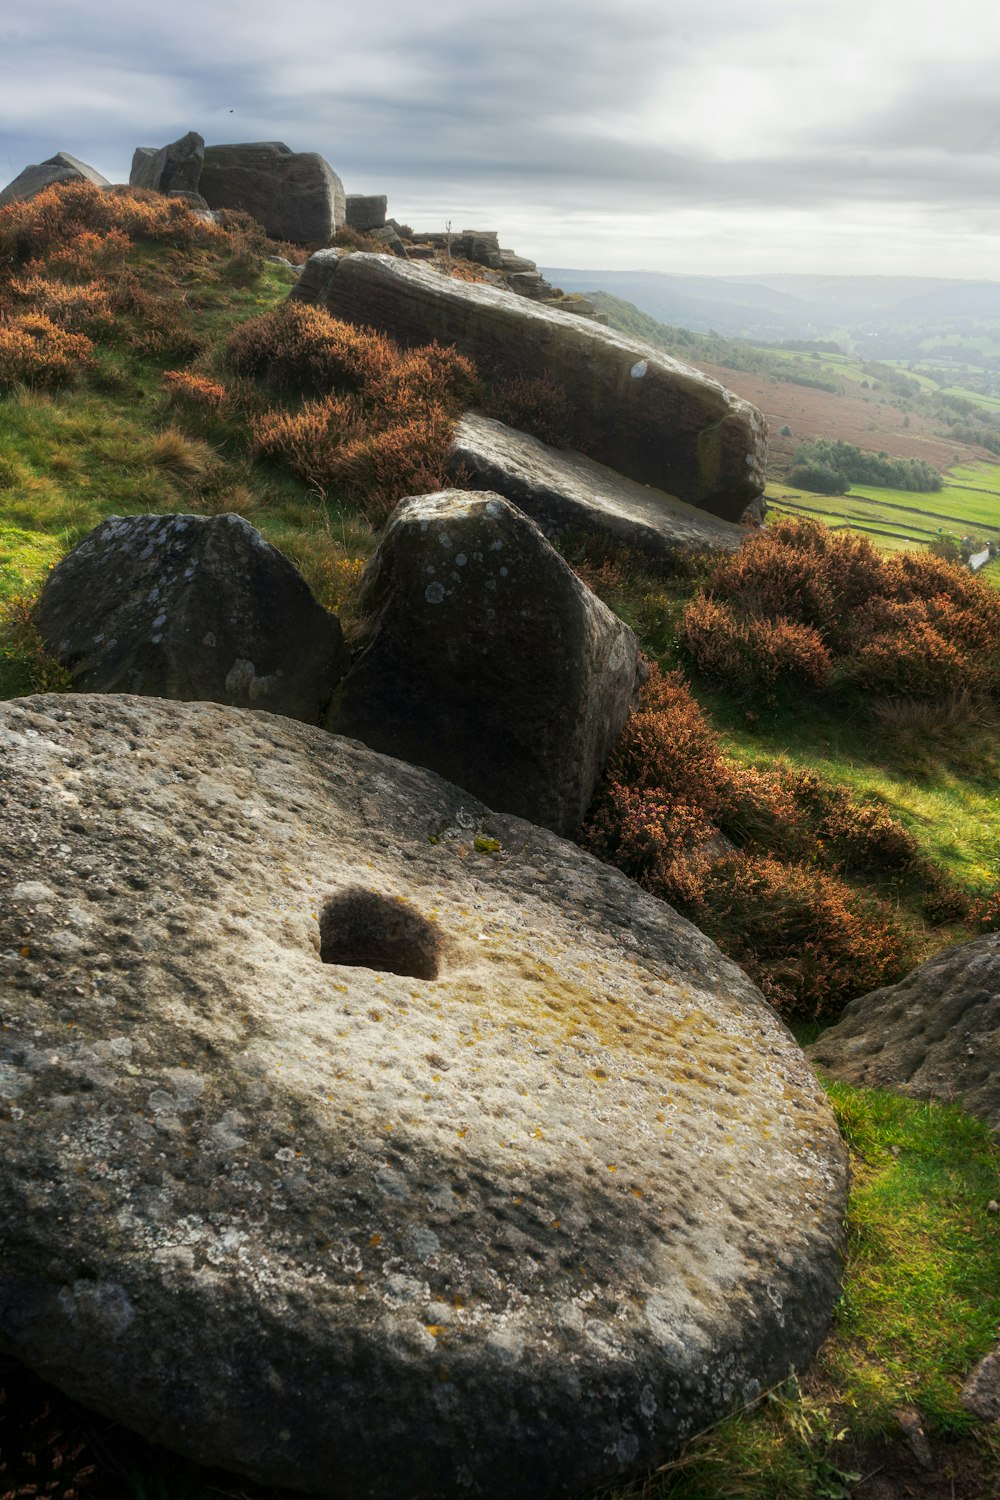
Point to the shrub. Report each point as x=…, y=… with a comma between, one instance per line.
x=415, y=379
x=299, y=350
x=86, y=308
x=748, y=653
x=658, y=841
x=184, y=388
x=35, y=351
x=862, y=835
x=910, y=624
x=84, y=256
x=985, y=913
x=811, y=942
x=919, y=663
x=59, y=215
x=668, y=746
x=532, y=404
x=759, y=810
x=333, y=444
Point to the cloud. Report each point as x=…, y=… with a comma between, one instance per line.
x=558, y=111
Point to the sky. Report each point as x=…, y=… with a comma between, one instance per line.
x=728, y=137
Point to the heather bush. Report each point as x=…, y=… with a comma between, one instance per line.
x=85, y=256
x=985, y=913
x=918, y=662
x=35, y=351
x=369, y=458
x=670, y=810
x=669, y=746
x=83, y=308
x=299, y=350
x=31, y=230
x=758, y=810
x=856, y=835
x=663, y=844
x=803, y=605
x=751, y=654
x=188, y=390
x=807, y=939
x=532, y=404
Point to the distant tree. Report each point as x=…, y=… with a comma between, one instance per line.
x=819, y=478
x=946, y=548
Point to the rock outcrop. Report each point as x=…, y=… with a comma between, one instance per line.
x=352, y=1156
x=934, y=1035
x=191, y=607
x=59, y=168
x=636, y=410
x=296, y=195
x=563, y=491
x=364, y=212
x=170, y=169
x=482, y=655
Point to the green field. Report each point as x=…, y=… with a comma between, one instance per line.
x=904, y=520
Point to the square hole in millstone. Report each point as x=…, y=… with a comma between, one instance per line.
x=368, y=930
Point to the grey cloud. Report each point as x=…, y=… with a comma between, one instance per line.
x=526, y=101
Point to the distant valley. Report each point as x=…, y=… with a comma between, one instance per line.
x=887, y=317
x=824, y=378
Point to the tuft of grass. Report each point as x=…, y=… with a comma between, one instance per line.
x=922, y=1301
x=187, y=461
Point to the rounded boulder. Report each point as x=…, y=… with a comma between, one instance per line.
x=365, y=1142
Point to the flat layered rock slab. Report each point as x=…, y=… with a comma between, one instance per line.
x=647, y=416
x=934, y=1035
x=368, y=1143
x=564, y=491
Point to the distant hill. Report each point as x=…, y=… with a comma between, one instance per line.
x=894, y=317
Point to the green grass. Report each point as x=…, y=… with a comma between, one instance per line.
x=941, y=786
x=922, y=1301
x=898, y=520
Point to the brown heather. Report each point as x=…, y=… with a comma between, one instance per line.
x=755, y=858
x=803, y=606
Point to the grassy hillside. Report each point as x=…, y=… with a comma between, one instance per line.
x=195, y=389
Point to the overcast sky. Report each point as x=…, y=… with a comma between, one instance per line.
x=725, y=136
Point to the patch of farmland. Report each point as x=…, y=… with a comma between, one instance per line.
x=854, y=416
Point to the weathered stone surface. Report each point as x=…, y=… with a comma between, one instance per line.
x=935, y=1035
x=563, y=491
x=59, y=168
x=173, y=168
x=482, y=655
x=365, y=211
x=296, y=195
x=191, y=607
x=634, y=409
x=387, y=236
x=143, y=166
x=510, y=1223
x=981, y=1392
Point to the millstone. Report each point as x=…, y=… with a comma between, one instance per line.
x=369, y=1143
